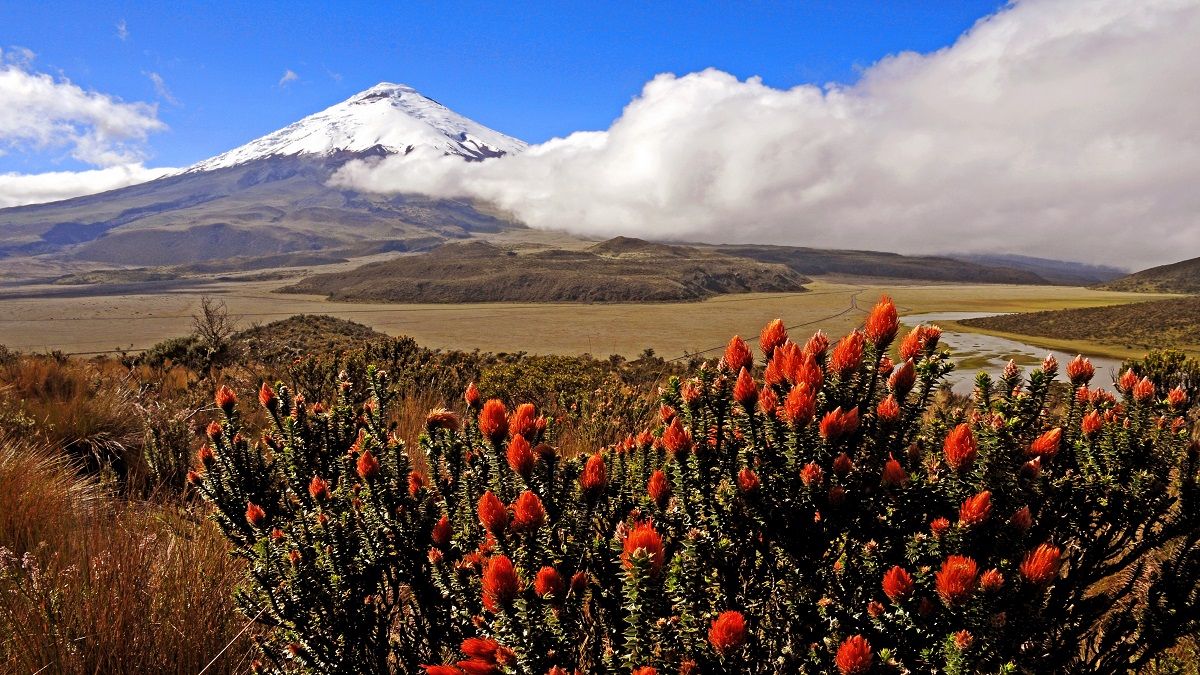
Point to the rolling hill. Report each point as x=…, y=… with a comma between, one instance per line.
x=1180, y=277
x=617, y=270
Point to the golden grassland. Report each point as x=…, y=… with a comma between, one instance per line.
x=136, y=321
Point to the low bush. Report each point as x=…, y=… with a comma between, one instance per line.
x=809, y=514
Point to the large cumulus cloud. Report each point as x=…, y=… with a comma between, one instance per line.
x=1061, y=128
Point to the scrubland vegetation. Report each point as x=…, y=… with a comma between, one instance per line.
x=311, y=496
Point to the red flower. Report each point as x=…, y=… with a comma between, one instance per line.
x=728, y=632
x=847, y=355
x=812, y=475
x=646, y=539
x=1143, y=390
x=888, y=410
x=1080, y=370
x=897, y=584
x=854, y=656
x=441, y=533
x=659, y=488
x=499, y=583
x=255, y=515
x=939, y=527
x=875, y=609
x=267, y=397
x=520, y=457
x=214, y=430
x=440, y=418
x=483, y=649
x=745, y=391
x=768, y=402
x=1092, y=423
x=975, y=509
x=205, y=455
x=842, y=465
x=226, y=399
x=1041, y=565
x=492, y=513
x=807, y=371
x=738, y=355
x=963, y=640
x=548, y=582
x=1127, y=381
x=471, y=396
x=747, y=481
x=368, y=466
x=956, y=580
x=594, y=478
x=1177, y=397
x=1047, y=444
x=528, y=512
x=773, y=335
x=894, y=475
x=902, y=380
x=960, y=448
x=493, y=420
x=318, y=488
x=416, y=483
x=523, y=421
x=800, y=405
x=991, y=581
x=918, y=341
x=690, y=392
x=836, y=423
x=644, y=670
x=816, y=345
x=675, y=438
x=1022, y=519
x=882, y=323
x=442, y=670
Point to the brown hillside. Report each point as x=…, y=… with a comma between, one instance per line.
x=618, y=270
x=1180, y=277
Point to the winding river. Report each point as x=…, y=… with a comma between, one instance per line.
x=973, y=352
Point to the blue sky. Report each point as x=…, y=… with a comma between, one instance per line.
x=540, y=71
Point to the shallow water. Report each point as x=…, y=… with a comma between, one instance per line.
x=973, y=352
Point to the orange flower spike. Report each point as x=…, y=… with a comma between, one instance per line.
x=255, y=515
x=523, y=421
x=1177, y=398
x=520, y=457
x=675, y=438
x=440, y=535
x=368, y=466
x=644, y=538
x=902, y=379
x=882, y=323
x=1041, y=565
x=1022, y=519
x=956, y=580
x=493, y=421
x=991, y=581
x=898, y=584
x=847, y=355
x=1092, y=423
x=975, y=510
x=960, y=448
x=416, y=483
x=267, y=397
x=738, y=355
x=318, y=489
x=816, y=345
x=594, y=478
x=939, y=527
x=500, y=583
x=1143, y=390
x=894, y=475
x=728, y=632
x=1047, y=444
x=1127, y=381
x=1080, y=371
x=528, y=512
x=745, y=391
x=768, y=402
x=492, y=513
x=854, y=656
x=748, y=481
x=659, y=488
x=888, y=410
x=800, y=406
x=471, y=396
x=812, y=475
x=773, y=335
x=226, y=399
x=548, y=583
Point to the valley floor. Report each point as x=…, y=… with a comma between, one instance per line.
x=138, y=319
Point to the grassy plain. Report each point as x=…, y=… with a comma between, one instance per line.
x=135, y=320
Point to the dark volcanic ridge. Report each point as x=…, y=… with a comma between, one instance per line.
x=617, y=270
x=1180, y=277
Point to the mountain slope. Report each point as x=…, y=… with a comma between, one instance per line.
x=1180, y=277
x=619, y=270
x=1060, y=272
x=392, y=118
x=270, y=196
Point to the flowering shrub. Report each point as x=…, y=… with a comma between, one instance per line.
x=801, y=514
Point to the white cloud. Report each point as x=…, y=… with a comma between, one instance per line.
x=160, y=87
x=43, y=113
x=289, y=76
x=1061, y=128
x=19, y=189
x=122, y=30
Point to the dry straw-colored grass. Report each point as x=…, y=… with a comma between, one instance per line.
x=91, y=583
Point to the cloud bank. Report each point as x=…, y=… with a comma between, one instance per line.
x=1059, y=128
x=41, y=113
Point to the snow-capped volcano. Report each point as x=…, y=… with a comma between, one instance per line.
x=394, y=117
